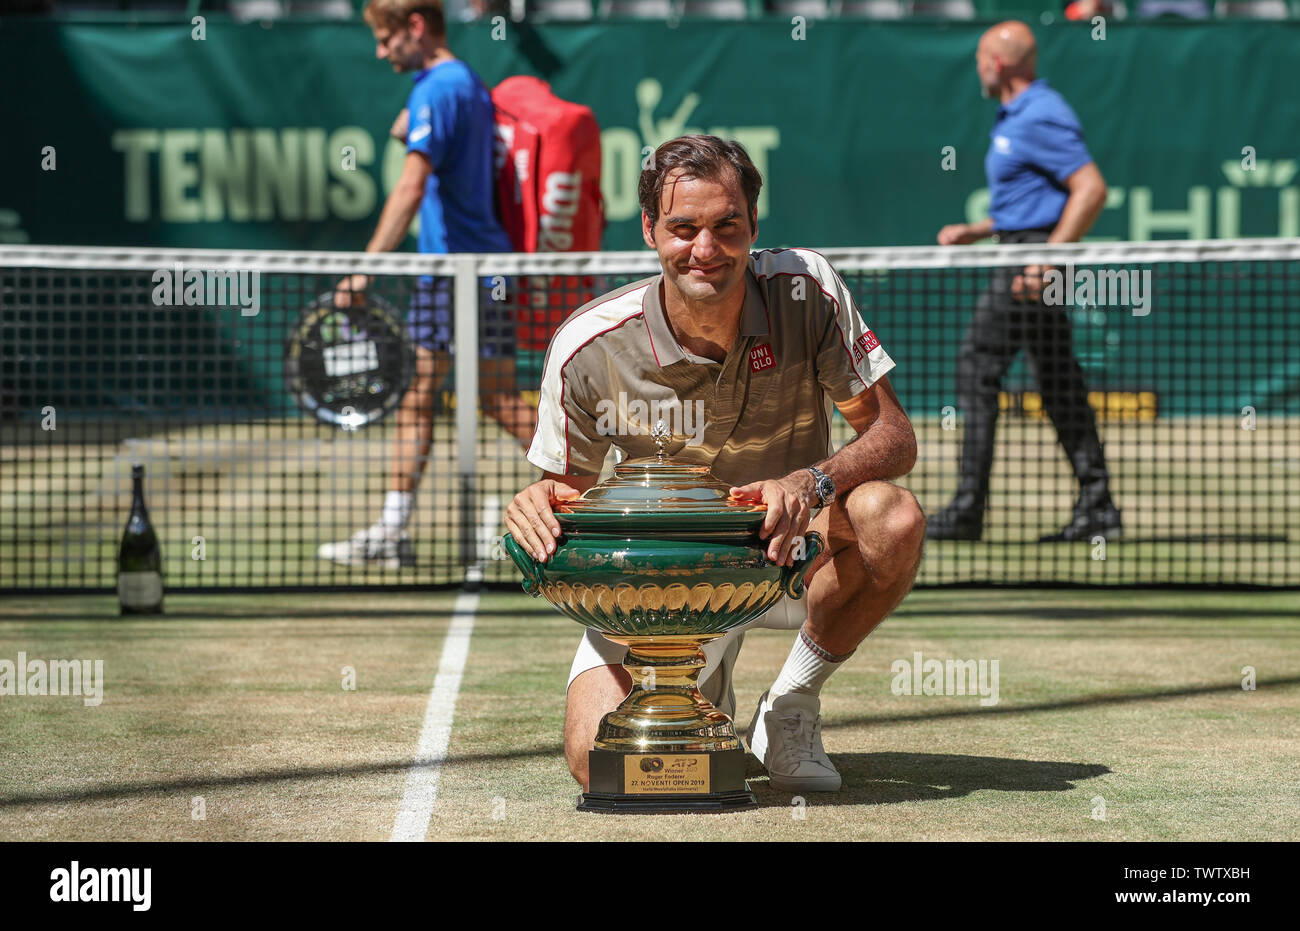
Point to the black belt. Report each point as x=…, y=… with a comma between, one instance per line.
x=1039, y=234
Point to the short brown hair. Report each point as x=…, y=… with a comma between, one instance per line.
x=394, y=14
x=707, y=158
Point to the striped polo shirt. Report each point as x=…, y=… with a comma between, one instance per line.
x=614, y=368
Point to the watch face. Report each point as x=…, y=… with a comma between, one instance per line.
x=825, y=489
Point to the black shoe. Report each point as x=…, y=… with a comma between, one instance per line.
x=954, y=523
x=1098, y=522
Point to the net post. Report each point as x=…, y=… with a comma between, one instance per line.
x=466, y=316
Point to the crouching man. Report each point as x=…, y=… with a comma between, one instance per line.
x=763, y=343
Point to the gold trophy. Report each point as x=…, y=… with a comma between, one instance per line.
x=660, y=559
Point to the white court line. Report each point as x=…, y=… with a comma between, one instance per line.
x=422, y=780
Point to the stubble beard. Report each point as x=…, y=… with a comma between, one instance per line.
x=699, y=295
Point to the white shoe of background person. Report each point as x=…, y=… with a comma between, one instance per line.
x=786, y=736
x=376, y=545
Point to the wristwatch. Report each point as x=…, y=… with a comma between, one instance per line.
x=823, y=485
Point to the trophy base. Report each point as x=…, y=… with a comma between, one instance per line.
x=666, y=804
x=666, y=783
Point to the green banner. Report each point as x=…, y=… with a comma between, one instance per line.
x=868, y=133
x=275, y=137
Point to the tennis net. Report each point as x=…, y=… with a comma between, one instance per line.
x=267, y=423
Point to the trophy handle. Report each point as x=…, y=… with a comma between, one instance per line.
x=792, y=580
x=526, y=563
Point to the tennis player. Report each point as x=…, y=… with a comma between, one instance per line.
x=448, y=178
x=770, y=343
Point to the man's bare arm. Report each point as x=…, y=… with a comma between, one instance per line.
x=886, y=444
x=885, y=448
x=1084, y=205
x=394, y=223
x=402, y=204
x=963, y=234
x=400, y=126
x=1087, y=198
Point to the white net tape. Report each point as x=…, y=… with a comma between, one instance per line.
x=596, y=263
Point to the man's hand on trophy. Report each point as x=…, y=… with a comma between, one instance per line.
x=789, y=509
x=531, y=519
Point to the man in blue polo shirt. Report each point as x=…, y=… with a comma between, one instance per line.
x=1044, y=187
x=448, y=177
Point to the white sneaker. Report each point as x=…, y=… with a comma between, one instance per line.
x=786, y=736
x=371, y=547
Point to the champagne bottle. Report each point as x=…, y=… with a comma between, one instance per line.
x=139, y=558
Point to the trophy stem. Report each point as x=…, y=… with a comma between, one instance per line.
x=665, y=711
x=666, y=748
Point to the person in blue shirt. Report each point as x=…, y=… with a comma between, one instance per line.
x=1044, y=187
x=448, y=177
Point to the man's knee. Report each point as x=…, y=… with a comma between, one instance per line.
x=889, y=519
x=593, y=694
x=579, y=766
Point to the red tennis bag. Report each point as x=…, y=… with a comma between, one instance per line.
x=548, y=195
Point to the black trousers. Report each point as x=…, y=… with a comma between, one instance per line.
x=1000, y=327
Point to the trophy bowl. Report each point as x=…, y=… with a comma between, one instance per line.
x=657, y=586
x=661, y=559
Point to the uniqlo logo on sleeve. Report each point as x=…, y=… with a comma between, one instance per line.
x=866, y=342
x=760, y=357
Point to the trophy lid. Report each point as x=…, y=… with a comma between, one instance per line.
x=659, y=493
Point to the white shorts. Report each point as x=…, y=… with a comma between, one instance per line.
x=715, y=679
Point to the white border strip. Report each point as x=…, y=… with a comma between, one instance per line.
x=422, y=781
x=595, y=263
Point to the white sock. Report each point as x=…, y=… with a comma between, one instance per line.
x=397, y=511
x=806, y=670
